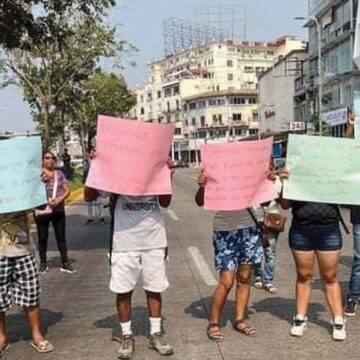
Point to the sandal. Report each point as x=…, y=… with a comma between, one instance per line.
x=244, y=329
x=214, y=333
x=4, y=350
x=44, y=346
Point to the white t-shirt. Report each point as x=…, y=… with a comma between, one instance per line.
x=138, y=224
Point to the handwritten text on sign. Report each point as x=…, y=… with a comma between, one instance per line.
x=21, y=187
x=237, y=174
x=323, y=170
x=131, y=157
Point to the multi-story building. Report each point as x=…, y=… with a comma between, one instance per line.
x=340, y=77
x=209, y=91
x=276, y=95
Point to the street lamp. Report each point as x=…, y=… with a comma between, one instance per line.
x=318, y=25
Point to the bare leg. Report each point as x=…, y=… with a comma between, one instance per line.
x=3, y=337
x=328, y=265
x=225, y=284
x=123, y=305
x=34, y=318
x=243, y=278
x=304, y=261
x=153, y=304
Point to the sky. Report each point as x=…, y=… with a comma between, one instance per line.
x=140, y=22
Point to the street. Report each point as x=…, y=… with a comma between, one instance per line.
x=79, y=314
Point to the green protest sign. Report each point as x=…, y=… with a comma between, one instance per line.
x=323, y=169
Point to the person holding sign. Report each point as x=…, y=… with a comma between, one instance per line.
x=238, y=248
x=353, y=298
x=54, y=212
x=138, y=246
x=315, y=233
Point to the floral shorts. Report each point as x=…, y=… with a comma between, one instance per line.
x=237, y=247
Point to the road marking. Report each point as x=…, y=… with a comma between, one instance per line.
x=202, y=266
x=172, y=214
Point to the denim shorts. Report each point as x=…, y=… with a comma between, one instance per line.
x=315, y=237
x=237, y=247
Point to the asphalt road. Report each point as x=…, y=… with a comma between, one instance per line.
x=79, y=313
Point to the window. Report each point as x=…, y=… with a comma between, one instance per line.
x=249, y=69
x=168, y=106
x=177, y=105
x=186, y=123
x=237, y=101
x=142, y=111
x=168, y=118
x=167, y=92
x=212, y=102
x=201, y=104
x=159, y=94
x=230, y=77
x=149, y=96
x=236, y=117
x=176, y=90
x=202, y=121
x=177, y=131
x=141, y=98
x=253, y=131
x=193, y=106
x=252, y=101
x=193, y=121
x=230, y=63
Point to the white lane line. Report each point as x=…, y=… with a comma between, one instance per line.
x=172, y=214
x=202, y=266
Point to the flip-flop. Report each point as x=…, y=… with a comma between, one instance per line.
x=44, y=346
x=4, y=350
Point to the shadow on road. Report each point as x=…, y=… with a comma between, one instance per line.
x=284, y=309
x=18, y=329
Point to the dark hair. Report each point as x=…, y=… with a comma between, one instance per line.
x=48, y=152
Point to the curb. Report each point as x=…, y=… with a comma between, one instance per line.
x=75, y=196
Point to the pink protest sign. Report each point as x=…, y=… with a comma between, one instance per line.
x=131, y=157
x=237, y=174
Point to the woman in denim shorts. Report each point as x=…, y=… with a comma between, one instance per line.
x=238, y=248
x=315, y=233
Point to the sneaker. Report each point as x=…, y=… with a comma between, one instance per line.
x=89, y=221
x=299, y=326
x=127, y=347
x=339, y=332
x=258, y=283
x=158, y=343
x=351, y=307
x=43, y=268
x=271, y=288
x=102, y=221
x=66, y=267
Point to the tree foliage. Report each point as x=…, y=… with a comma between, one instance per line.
x=21, y=28
x=56, y=69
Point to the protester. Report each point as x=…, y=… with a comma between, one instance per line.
x=353, y=297
x=66, y=158
x=139, y=245
x=54, y=212
x=237, y=247
x=265, y=278
x=95, y=208
x=19, y=278
x=315, y=233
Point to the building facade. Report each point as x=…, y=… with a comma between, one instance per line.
x=276, y=95
x=209, y=92
x=340, y=77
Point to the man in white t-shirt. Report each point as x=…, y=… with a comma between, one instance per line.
x=139, y=247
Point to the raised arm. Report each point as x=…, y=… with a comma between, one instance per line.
x=350, y=126
x=285, y=204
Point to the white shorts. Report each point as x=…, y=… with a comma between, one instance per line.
x=127, y=266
